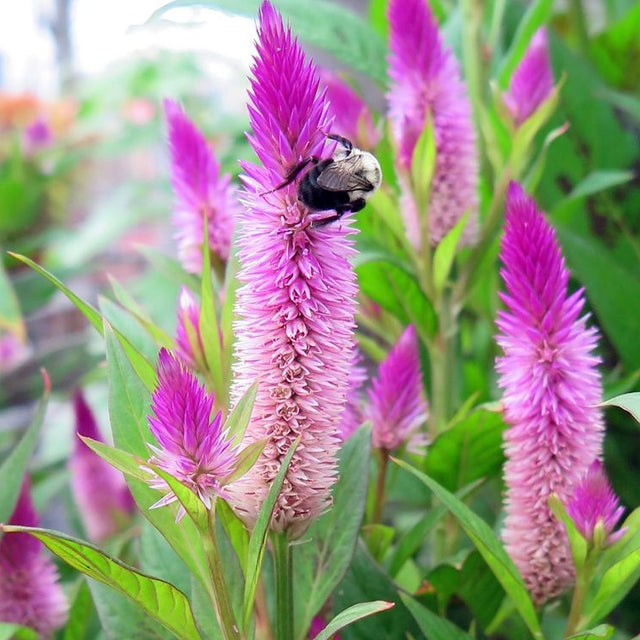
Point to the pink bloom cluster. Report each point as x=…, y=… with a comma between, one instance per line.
x=296, y=306
x=551, y=387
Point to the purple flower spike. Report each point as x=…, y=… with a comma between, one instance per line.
x=532, y=81
x=551, y=391
x=199, y=191
x=352, y=116
x=296, y=308
x=425, y=82
x=188, y=339
x=29, y=591
x=397, y=405
x=102, y=496
x=193, y=446
x=594, y=505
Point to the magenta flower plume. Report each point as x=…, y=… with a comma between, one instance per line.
x=594, y=505
x=29, y=591
x=551, y=388
x=193, y=447
x=189, y=345
x=103, y=498
x=397, y=404
x=425, y=83
x=296, y=308
x=532, y=81
x=352, y=116
x=200, y=191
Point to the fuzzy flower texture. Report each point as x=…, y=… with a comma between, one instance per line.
x=551, y=391
x=426, y=83
x=194, y=448
x=29, y=591
x=397, y=405
x=296, y=307
x=200, y=192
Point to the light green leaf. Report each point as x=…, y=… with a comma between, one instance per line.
x=15, y=465
x=9, y=631
x=10, y=316
x=489, y=547
x=601, y=632
x=258, y=539
x=123, y=461
x=445, y=253
x=238, y=420
x=628, y=401
x=432, y=625
x=246, y=459
x=161, y=600
x=423, y=164
x=576, y=540
x=598, y=181
x=351, y=615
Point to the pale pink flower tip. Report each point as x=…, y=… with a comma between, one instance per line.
x=397, y=404
x=189, y=346
x=594, y=502
x=425, y=81
x=297, y=303
x=29, y=591
x=103, y=498
x=200, y=191
x=193, y=447
x=532, y=81
x=551, y=390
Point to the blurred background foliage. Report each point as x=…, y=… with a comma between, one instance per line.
x=84, y=184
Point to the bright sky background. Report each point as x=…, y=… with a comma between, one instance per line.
x=104, y=32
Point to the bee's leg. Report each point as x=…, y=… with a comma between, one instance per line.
x=354, y=206
x=346, y=143
x=293, y=174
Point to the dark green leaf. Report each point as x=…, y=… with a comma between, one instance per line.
x=350, y=615
x=432, y=625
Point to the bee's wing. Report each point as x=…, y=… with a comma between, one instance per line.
x=341, y=176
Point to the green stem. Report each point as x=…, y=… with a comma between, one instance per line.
x=221, y=601
x=283, y=562
x=380, y=484
x=583, y=580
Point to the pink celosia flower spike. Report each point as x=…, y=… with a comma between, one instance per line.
x=594, y=505
x=532, y=81
x=425, y=82
x=397, y=404
x=551, y=388
x=29, y=591
x=352, y=116
x=102, y=496
x=199, y=191
x=194, y=448
x=296, y=308
x=189, y=345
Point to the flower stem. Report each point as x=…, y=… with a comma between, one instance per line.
x=583, y=580
x=283, y=562
x=380, y=483
x=221, y=601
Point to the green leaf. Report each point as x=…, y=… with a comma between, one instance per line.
x=467, y=451
x=320, y=24
x=395, y=289
x=600, y=180
x=238, y=419
x=123, y=461
x=81, y=613
x=537, y=14
x=15, y=465
x=445, y=253
x=601, y=632
x=258, y=539
x=10, y=316
x=423, y=163
x=246, y=459
x=617, y=307
x=628, y=401
x=433, y=626
x=351, y=615
x=321, y=562
x=9, y=631
x=161, y=600
x=576, y=540
x=489, y=547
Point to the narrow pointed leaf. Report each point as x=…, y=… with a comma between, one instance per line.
x=628, y=401
x=258, y=539
x=445, y=253
x=351, y=615
x=601, y=632
x=423, y=163
x=238, y=419
x=123, y=461
x=489, y=547
x=246, y=459
x=161, y=600
x=432, y=625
